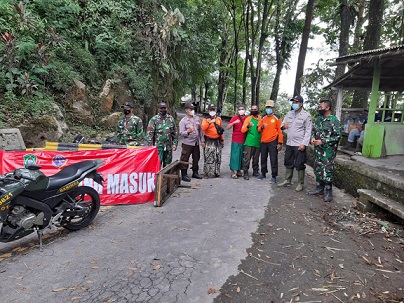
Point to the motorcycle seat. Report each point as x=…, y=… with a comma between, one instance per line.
x=69, y=174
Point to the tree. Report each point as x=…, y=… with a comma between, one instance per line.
x=303, y=46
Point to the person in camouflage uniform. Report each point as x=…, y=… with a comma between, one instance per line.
x=162, y=132
x=130, y=127
x=325, y=137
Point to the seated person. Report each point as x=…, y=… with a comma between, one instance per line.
x=359, y=143
x=355, y=133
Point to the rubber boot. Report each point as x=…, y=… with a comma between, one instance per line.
x=319, y=189
x=184, y=176
x=300, y=180
x=288, y=178
x=328, y=193
x=196, y=175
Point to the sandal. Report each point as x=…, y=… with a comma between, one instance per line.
x=234, y=176
x=239, y=174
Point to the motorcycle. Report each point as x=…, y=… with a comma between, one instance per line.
x=31, y=201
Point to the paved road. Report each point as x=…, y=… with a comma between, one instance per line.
x=139, y=253
x=293, y=246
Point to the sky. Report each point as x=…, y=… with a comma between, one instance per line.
x=317, y=49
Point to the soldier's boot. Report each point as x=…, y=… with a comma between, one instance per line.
x=245, y=176
x=328, y=192
x=319, y=189
x=196, y=175
x=300, y=180
x=288, y=178
x=184, y=176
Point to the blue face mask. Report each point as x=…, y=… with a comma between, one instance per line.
x=295, y=106
x=268, y=111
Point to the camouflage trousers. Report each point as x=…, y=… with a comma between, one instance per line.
x=324, y=163
x=165, y=154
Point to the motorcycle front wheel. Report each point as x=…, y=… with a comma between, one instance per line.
x=87, y=199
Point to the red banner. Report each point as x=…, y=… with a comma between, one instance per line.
x=129, y=174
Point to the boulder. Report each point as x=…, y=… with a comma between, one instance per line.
x=107, y=96
x=37, y=131
x=110, y=121
x=77, y=103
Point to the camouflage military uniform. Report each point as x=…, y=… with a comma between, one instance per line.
x=162, y=132
x=328, y=130
x=129, y=131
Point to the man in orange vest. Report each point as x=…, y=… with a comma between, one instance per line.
x=271, y=141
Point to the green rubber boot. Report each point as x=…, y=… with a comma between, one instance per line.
x=288, y=178
x=300, y=179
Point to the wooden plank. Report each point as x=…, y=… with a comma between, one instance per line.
x=168, y=180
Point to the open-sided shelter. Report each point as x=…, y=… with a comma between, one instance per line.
x=380, y=71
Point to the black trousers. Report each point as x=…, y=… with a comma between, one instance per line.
x=254, y=153
x=295, y=158
x=271, y=149
x=186, y=152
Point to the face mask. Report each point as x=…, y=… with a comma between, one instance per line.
x=212, y=114
x=126, y=111
x=254, y=112
x=192, y=112
x=321, y=112
x=268, y=111
x=295, y=106
x=241, y=112
x=163, y=112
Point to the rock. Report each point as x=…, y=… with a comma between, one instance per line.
x=77, y=103
x=110, y=121
x=37, y=131
x=107, y=96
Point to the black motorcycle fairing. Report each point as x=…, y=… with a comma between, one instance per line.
x=69, y=174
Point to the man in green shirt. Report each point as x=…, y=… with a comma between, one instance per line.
x=252, y=142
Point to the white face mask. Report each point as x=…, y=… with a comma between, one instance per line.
x=192, y=112
x=212, y=114
x=241, y=112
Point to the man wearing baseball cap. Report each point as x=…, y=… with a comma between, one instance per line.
x=271, y=141
x=298, y=124
x=130, y=127
x=191, y=132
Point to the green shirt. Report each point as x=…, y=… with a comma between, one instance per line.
x=253, y=137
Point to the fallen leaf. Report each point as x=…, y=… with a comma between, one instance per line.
x=59, y=289
x=89, y=282
x=94, y=267
x=238, y=289
x=75, y=298
x=156, y=266
x=212, y=291
x=8, y=255
x=132, y=261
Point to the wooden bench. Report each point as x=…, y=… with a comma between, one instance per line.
x=168, y=180
x=369, y=197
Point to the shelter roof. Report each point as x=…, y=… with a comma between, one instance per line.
x=360, y=74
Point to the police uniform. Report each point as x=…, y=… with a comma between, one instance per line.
x=298, y=133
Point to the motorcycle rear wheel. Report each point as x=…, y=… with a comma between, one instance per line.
x=84, y=196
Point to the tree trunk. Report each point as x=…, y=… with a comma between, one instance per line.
x=303, y=47
x=372, y=41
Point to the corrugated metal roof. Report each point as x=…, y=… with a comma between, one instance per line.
x=372, y=52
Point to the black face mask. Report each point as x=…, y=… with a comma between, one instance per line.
x=321, y=112
x=163, y=112
x=254, y=112
x=126, y=111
